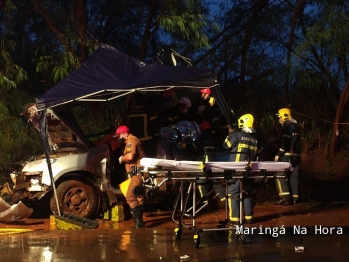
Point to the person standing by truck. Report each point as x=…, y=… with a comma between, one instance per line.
x=289, y=151
x=132, y=155
x=243, y=146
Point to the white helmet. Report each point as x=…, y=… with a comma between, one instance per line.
x=185, y=101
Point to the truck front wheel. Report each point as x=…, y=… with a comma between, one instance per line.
x=75, y=197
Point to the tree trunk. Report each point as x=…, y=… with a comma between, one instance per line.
x=247, y=38
x=146, y=36
x=343, y=103
x=289, y=50
x=81, y=25
x=51, y=24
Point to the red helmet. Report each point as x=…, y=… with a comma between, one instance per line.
x=205, y=125
x=121, y=129
x=206, y=91
x=168, y=92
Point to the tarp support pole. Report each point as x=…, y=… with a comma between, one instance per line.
x=44, y=137
x=224, y=107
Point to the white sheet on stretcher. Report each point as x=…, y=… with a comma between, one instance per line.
x=172, y=165
x=269, y=166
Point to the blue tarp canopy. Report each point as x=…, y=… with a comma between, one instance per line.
x=108, y=74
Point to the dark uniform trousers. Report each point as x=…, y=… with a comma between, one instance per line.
x=288, y=188
x=234, y=200
x=290, y=151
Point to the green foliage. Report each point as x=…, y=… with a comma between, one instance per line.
x=6, y=83
x=185, y=20
x=11, y=74
x=98, y=119
x=59, y=72
x=327, y=36
x=42, y=63
x=18, y=138
x=60, y=69
x=10, y=7
x=247, y=46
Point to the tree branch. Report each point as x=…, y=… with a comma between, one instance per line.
x=51, y=25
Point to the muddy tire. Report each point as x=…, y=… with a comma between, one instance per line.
x=75, y=197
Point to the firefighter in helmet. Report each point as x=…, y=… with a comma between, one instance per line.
x=289, y=151
x=200, y=101
x=131, y=157
x=243, y=147
x=205, y=93
x=207, y=99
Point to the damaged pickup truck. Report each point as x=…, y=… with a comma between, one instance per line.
x=81, y=169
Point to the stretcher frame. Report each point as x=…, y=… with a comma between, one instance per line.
x=243, y=171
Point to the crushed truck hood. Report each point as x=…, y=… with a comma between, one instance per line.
x=62, y=128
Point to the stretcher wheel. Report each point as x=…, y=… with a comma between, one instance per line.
x=178, y=233
x=241, y=238
x=197, y=241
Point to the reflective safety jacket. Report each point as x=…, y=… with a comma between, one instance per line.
x=242, y=145
x=290, y=140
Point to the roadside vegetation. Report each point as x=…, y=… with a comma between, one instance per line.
x=267, y=55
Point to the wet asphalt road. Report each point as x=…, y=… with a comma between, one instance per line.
x=159, y=244
x=277, y=231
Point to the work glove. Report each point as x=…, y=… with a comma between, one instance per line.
x=276, y=158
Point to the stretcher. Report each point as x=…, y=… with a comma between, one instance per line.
x=224, y=172
x=172, y=165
